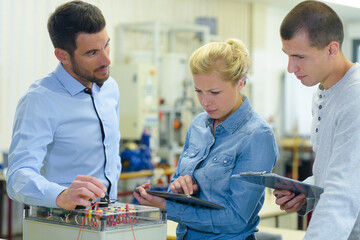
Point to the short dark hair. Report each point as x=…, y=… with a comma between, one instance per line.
x=317, y=19
x=73, y=18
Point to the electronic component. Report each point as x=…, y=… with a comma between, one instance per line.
x=120, y=219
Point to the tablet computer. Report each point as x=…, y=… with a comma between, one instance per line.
x=183, y=198
x=274, y=181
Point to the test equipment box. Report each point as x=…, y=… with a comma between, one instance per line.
x=115, y=221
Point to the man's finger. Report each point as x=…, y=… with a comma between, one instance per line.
x=284, y=199
x=92, y=180
x=83, y=182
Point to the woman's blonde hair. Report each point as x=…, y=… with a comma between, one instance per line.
x=231, y=59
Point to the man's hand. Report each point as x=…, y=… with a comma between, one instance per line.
x=81, y=190
x=184, y=185
x=288, y=201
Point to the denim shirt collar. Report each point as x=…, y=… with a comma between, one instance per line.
x=235, y=119
x=72, y=85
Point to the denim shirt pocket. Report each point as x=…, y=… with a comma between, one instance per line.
x=189, y=160
x=191, y=151
x=220, y=166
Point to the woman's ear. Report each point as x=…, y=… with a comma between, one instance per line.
x=241, y=84
x=62, y=55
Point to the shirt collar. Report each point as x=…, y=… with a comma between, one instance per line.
x=340, y=84
x=72, y=85
x=236, y=118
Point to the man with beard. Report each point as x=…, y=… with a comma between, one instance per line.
x=65, y=146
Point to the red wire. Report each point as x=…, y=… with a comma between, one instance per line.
x=82, y=224
x=87, y=211
x=132, y=229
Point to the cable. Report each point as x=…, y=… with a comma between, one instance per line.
x=128, y=211
x=86, y=213
x=97, y=203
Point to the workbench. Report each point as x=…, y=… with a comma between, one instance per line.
x=139, y=174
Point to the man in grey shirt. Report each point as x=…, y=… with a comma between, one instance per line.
x=312, y=35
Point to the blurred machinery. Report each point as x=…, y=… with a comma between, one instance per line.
x=138, y=109
x=173, y=124
x=137, y=157
x=154, y=82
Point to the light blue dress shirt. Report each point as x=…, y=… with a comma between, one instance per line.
x=243, y=142
x=57, y=136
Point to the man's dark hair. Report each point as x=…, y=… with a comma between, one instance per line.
x=315, y=18
x=73, y=18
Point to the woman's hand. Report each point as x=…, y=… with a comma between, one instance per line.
x=147, y=199
x=184, y=185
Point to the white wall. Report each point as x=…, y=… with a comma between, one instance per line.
x=27, y=53
x=269, y=61
x=272, y=94
x=352, y=31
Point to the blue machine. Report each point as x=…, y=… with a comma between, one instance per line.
x=138, y=158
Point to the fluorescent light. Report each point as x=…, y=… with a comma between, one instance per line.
x=349, y=3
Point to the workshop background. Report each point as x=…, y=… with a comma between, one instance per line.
x=151, y=41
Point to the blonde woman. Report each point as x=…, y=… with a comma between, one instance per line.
x=226, y=139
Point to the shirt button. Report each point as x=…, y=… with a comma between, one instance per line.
x=319, y=118
x=214, y=159
x=320, y=107
x=317, y=130
x=320, y=96
x=225, y=161
x=192, y=154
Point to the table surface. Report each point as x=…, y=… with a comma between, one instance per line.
x=145, y=173
x=287, y=234
x=290, y=143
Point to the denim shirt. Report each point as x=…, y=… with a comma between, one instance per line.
x=243, y=142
